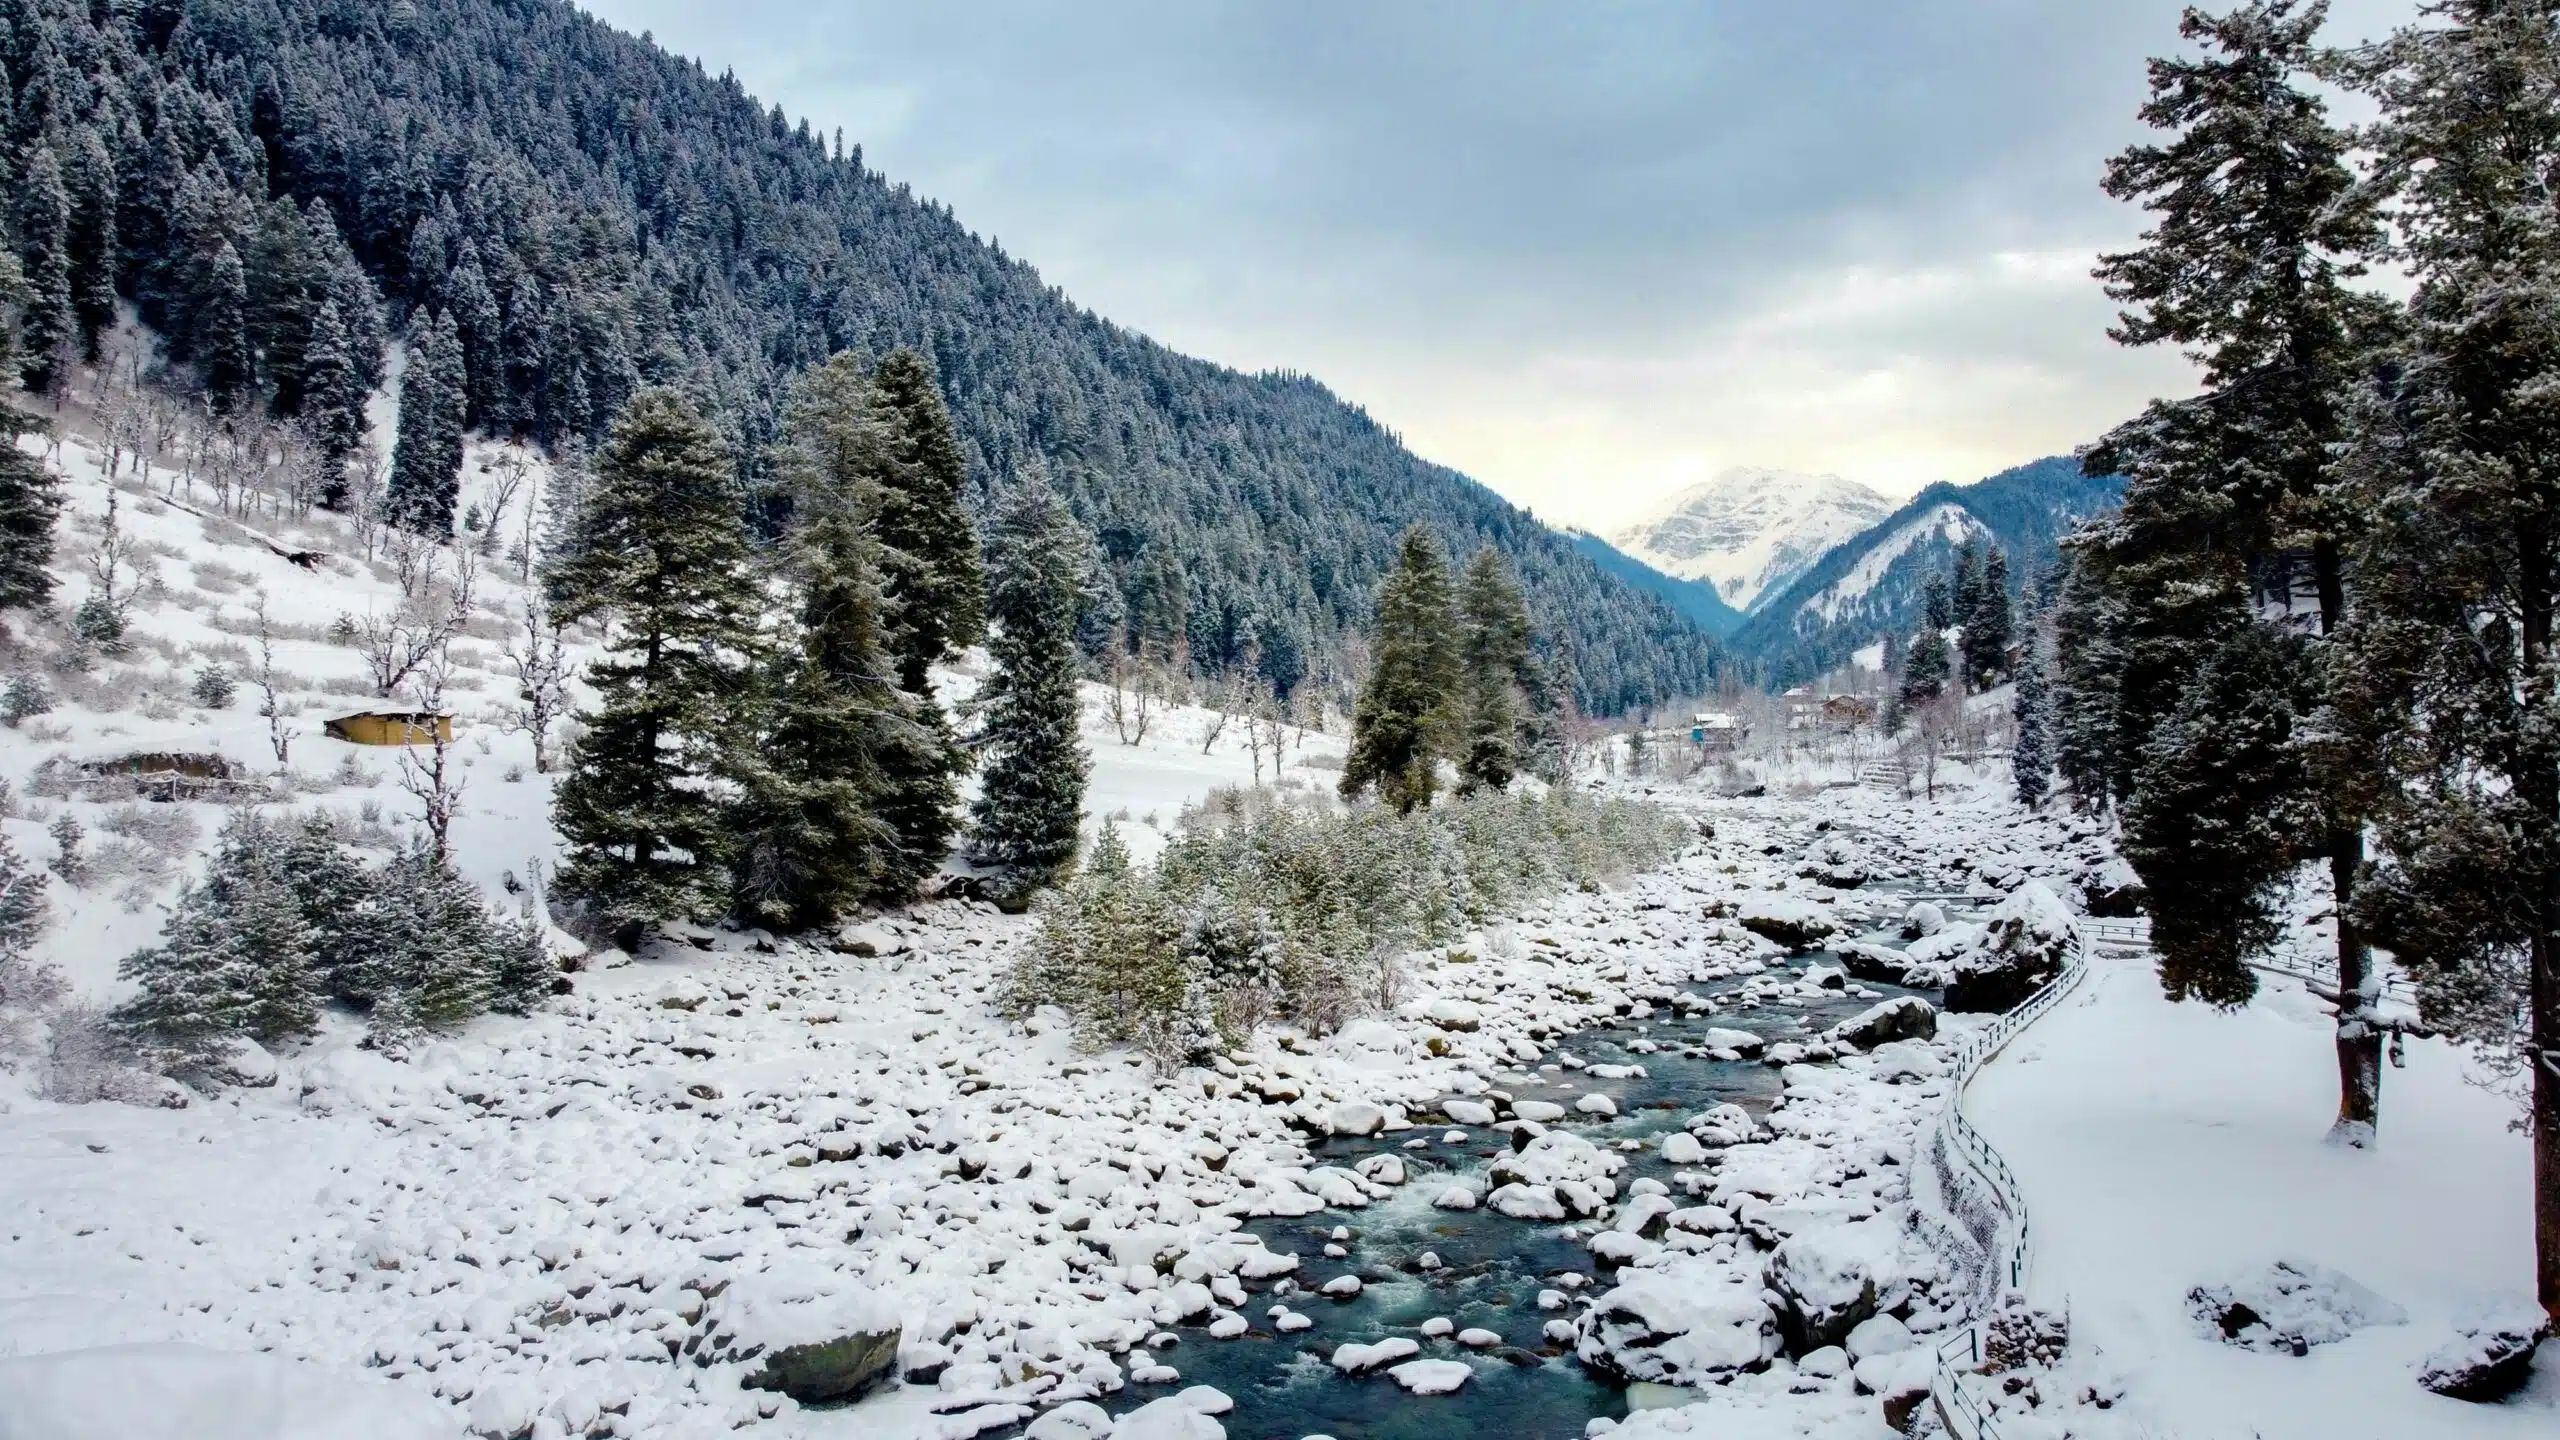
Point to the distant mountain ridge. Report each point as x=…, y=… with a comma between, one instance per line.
x=1870, y=585
x=1749, y=531
x=1693, y=600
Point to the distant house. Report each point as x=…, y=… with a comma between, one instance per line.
x=1714, y=730
x=391, y=727
x=1848, y=712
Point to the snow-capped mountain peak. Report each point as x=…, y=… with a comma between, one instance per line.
x=1750, y=531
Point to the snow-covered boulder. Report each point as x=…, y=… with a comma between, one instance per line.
x=1450, y=1013
x=2491, y=1354
x=1075, y=1420
x=1356, y=1117
x=1876, y=964
x=816, y=1338
x=1357, y=1359
x=1526, y=1202
x=1835, y=861
x=1723, y=1125
x=2113, y=889
x=1906, y=1018
x=1922, y=919
x=1830, y=1279
x=1786, y=920
x=1467, y=1112
x=1171, y=1418
x=2022, y=947
x=1559, y=1155
x=1740, y=1042
x=2288, y=1307
x=1683, y=1326
x=1432, y=1377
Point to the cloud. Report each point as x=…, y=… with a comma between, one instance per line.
x=1583, y=252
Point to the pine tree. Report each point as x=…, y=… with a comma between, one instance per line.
x=811, y=842
x=47, y=323
x=2213, y=824
x=30, y=498
x=1495, y=654
x=1988, y=627
x=24, y=913
x=91, y=188
x=2447, y=674
x=934, y=583
x=426, y=459
x=933, y=601
x=431, y=949
x=2031, y=760
x=223, y=354
x=2259, y=224
x=236, y=960
x=662, y=558
x=333, y=400
x=1401, y=727
x=1031, y=791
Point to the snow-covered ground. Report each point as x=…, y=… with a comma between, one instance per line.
x=2165, y=1147
x=595, y=1220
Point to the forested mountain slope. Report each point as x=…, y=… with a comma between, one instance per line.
x=595, y=214
x=1870, y=585
x=1697, y=600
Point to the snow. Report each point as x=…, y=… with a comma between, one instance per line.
x=729, y=1143
x=116, y=1392
x=1752, y=531
x=2163, y=1147
x=1950, y=523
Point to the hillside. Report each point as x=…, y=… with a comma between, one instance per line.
x=593, y=214
x=1750, y=532
x=1870, y=585
x=1695, y=600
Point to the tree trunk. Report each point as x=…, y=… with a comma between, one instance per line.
x=2359, y=1037
x=2540, y=788
x=2545, y=1045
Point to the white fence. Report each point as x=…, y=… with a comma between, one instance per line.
x=1997, y=1203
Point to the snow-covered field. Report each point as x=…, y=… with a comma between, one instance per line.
x=604, y=1218
x=2166, y=1147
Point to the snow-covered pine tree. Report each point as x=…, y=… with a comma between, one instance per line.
x=2449, y=665
x=47, y=324
x=2259, y=224
x=225, y=359
x=333, y=400
x=662, y=557
x=2031, y=758
x=1031, y=792
x=810, y=842
x=89, y=178
x=426, y=456
x=1494, y=653
x=1988, y=625
x=433, y=952
x=1401, y=726
x=933, y=602
x=30, y=499
x=235, y=960
x=24, y=914
x=1928, y=665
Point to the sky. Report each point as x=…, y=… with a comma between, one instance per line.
x=1588, y=253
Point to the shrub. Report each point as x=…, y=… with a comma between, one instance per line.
x=214, y=687
x=1261, y=910
x=25, y=697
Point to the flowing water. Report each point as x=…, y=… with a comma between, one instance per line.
x=1494, y=1267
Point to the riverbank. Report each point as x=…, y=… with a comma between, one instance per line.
x=549, y=1225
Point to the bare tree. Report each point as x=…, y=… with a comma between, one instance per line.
x=430, y=614
x=542, y=680
x=436, y=781
x=270, y=703
x=1129, y=700
x=509, y=470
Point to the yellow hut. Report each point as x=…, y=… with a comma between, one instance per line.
x=391, y=727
